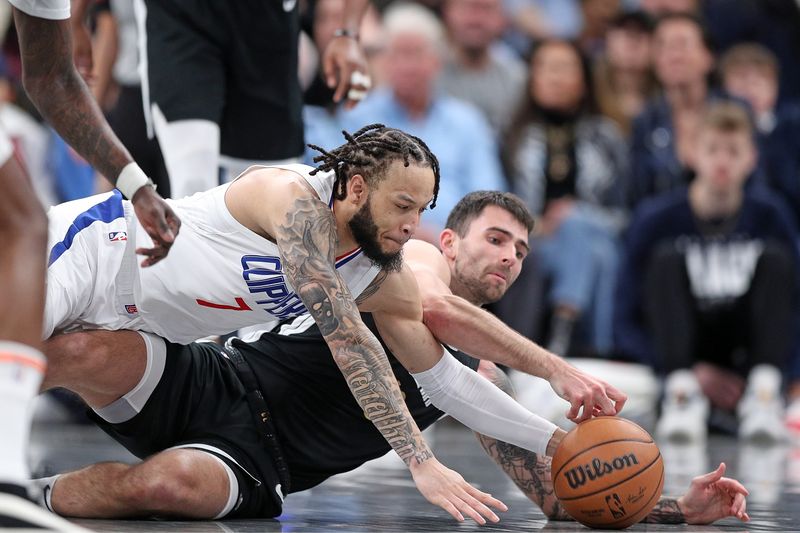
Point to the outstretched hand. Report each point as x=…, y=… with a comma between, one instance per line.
x=587, y=396
x=447, y=489
x=159, y=221
x=712, y=497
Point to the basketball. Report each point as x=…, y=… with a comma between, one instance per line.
x=608, y=473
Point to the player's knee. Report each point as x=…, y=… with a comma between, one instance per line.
x=491, y=372
x=78, y=351
x=168, y=491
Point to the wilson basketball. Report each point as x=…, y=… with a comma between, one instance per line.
x=608, y=473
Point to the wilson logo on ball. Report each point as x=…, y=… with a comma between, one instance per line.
x=577, y=476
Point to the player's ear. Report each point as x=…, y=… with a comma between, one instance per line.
x=357, y=188
x=448, y=243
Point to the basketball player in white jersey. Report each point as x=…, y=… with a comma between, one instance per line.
x=266, y=246
x=270, y=245
x=56, y=88
x=320, y=429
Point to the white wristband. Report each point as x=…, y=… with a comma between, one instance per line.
x=131, y=179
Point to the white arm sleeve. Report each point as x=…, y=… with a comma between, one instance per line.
x=477, y=403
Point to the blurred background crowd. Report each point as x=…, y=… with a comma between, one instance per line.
x=657, y=142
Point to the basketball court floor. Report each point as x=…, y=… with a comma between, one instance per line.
x=381, y=497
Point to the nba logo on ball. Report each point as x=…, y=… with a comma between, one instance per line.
x=608, y=473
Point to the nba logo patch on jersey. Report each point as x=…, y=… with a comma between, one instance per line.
x=131, y=309
x=118, y=236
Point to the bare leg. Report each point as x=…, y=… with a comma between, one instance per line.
x=23, y=233
x=174, y=483
x=100, y=366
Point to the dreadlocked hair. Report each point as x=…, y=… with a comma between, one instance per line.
x=369, y=151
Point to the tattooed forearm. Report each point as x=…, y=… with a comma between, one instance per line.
x=529, y=471
x=62, y=97
x=666, y=511
x=307, y=241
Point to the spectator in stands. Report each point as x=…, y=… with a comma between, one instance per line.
x=597, y=16
x=567, y=162
x=476, y=69
x=456, y=131
x=750, y=71
x=659, y=8
x=662, y=134
x=623, y=75
x=706, y=288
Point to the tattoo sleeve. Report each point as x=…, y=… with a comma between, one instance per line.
x=63, y=99
x=372, y=288
x=529, y=471
x=307, y=242
x=532, y=474
x=666, y=511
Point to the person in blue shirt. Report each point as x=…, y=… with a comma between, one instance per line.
x=706, y=288
x=455, y=130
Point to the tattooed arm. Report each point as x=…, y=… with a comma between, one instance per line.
x=59, y=93
x=710, y=497
x=307, y=240
x=529, y=471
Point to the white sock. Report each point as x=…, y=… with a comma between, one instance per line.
x=21, y=372
x=191, y=153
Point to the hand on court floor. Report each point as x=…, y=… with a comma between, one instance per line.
x=594, y=396
x=712, y=497
x=447, y=489
x=344, y=56
x=160, y=222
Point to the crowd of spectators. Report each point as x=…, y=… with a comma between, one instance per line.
x=657, y=142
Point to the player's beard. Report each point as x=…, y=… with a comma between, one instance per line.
x=365, y=232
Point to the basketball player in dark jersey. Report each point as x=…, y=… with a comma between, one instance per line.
x=203, y=397
x=220, y=83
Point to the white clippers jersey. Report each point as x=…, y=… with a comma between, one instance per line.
x=219, y=276
x=46, y=9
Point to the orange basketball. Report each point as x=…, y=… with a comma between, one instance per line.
x=608, y=473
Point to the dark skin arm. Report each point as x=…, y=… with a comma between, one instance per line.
x=59, y=93
x=344, y=55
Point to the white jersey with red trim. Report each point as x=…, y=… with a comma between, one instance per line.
x=219, y=276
